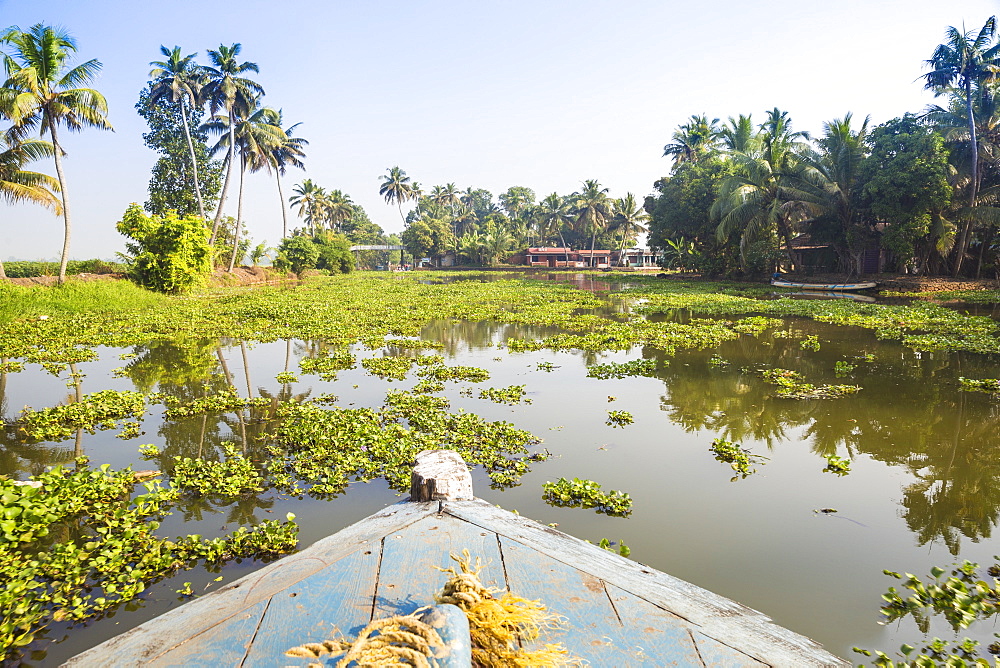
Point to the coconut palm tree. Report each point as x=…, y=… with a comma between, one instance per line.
x=338, y=208
x=18, y=185
x=225, y=89
x=179, y=79
x=308, y=199
x=554, y=213
x=397, y=187
x=287, y=152
x=629, y=217
x=738, y=134
x=693, y=140
x=40, y=90
x=255, y=136
x=759, y=197
x=964, y=61
x=593, y=208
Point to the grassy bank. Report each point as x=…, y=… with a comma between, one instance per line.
x=75, y=297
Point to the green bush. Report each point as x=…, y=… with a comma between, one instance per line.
x=325, y=251
x=30, y=268
x=170, y=254
x=296, y=254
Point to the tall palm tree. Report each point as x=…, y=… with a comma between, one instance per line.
x=553, y=215
x=287, y=152
x=738, y=134
x=693, y=140
x=225, y=89
x=308, y=199
x=593, y=208
x=965, y=60
x=759, y=198
x=629, y=217
x=339, y=209
x=179, y=79
x=40, y=90
x=255, y=136
x=397, y=187
x=828, y=185
x=18, y=185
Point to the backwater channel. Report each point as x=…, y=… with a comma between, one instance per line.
x=923, y=488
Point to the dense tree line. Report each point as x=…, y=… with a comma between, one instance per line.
x=920, y=190
x=477, y=230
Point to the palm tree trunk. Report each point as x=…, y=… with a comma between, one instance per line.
x=284, y=211
x=194, y=160
x=225, y=183
x=3, y=274
x=593, y=240
x=57, y=155
x=963, y=238
x=239, y=217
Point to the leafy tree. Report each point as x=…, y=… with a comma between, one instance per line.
x=906, y=187
x=965, y=60
x=681, y=210
x=225, y=89
x=41, y=91
x=172, y=184
x=178, y=79
x=334, y=253
x=169, y=253
x=516, y=200
x=427, y=238
x=296, y=254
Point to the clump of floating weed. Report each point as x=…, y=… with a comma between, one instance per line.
x=791, y=386
x=615, y=370
x=619, y=418
x=739, y=459
x=441, y=372
x=99, y=410
x=389, y=368
x=577, y=493
x=511, y=395
x=988, y=385
x=500, y=626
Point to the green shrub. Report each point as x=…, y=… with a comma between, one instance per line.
x=170, y=254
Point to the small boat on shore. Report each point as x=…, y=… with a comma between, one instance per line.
x=614, y=611
x=825, y=287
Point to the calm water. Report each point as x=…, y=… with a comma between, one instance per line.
x=924, y=487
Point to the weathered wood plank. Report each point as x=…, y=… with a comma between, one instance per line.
x=715, y=653
x=407, y=577
x=659, y=637
x=147, y=641
x=333, y=603
x=720, y=618
x=591, y=629
x=224, y=644
x=440, y=475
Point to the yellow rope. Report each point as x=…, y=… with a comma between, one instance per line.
x=402, y=640
x=498, y=628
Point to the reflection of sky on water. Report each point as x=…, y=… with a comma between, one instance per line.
x=922, y=483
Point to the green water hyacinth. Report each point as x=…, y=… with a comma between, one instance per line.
x=111, y=553
x=577, y=493
x=622, y=370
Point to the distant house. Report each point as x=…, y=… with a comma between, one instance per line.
x=582, y=259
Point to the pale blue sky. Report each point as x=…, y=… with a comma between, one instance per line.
x=488, y=94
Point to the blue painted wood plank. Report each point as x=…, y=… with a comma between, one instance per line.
x=333, y=603
x=407, y=577
x=224, y=644
x=591, y=629
x=716, y=654
x=661, y=637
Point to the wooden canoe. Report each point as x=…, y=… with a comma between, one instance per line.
x=618, y=612
x=779, y=283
